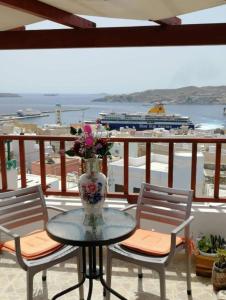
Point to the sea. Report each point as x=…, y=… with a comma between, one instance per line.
x=206, y=116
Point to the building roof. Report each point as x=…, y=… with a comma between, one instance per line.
x=15, y=13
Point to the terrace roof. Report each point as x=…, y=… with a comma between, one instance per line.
x=15, y=15
x=18, y=13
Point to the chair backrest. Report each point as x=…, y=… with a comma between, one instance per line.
x=164, y=205
x=22, y=207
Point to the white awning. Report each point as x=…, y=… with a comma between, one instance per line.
x=11, y=18
x=134, y=9
x=125, y=9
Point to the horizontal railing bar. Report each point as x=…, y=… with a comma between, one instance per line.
x=117, y=139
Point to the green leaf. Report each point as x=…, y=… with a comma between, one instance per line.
x=70, y=152
x=79, y=131
x=73, y=131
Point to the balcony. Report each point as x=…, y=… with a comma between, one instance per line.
x=208, y=207
x=124, y=278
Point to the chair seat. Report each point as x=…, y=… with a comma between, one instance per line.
x=33, y=246
x=150, y=242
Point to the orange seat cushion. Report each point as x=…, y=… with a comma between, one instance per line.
x=150, y=242
x=34, y=245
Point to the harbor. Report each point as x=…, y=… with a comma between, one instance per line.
x=31, y=113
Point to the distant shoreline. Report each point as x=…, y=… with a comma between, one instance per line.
x=9, y=95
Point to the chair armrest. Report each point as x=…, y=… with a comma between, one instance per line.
x=174, y=233
x=16, y=238
x=182, y=225
x=8, y=232
x=128, y=207
x=56, y=208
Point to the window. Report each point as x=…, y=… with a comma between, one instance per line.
x=119, y=188
x=136, y=190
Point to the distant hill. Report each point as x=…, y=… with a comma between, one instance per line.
x=184, y=95
x=9, y=95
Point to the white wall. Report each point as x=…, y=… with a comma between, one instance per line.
x=31, y=151
x=159, y=171
x=11, y=179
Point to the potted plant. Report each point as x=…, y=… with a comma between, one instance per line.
x=207, y=247
x=219, y=271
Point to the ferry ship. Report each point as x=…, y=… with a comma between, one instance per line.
x=156, y=117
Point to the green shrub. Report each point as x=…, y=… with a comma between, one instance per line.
x=211, y=243
x=220, y=261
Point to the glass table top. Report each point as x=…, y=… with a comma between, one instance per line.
x=68, y=227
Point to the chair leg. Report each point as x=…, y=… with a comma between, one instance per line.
x=162, y=278
x=188, y=267
x=140, y=274
x=29, y=285
x=108, y=274
x=44, y=274
x=80, y=269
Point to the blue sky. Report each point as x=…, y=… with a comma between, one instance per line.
x=122, y=70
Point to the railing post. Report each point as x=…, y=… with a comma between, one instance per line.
x=105, y=166
x=148, y=162
x=217, y=171
x=22, y=164
x=126, y=169
x=170, y=164
x=193, y=167
x=63, y=167
x=42, y=165
x=3, y=166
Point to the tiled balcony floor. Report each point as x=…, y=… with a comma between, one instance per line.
x=125, y=281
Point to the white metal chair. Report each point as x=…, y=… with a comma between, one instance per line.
x=26, y=209
x=161, y=205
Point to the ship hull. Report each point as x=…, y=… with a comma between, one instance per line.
x=145, y=126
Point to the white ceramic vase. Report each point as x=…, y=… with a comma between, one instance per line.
x=92, y=189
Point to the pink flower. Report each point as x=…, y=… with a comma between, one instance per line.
x=87, y=129
x=91, y=188
x=89, y=141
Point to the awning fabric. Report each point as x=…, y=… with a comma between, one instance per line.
x=125, y=9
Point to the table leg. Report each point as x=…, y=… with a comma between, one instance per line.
x=78, y=284
x=91, y=272
x=103, y=282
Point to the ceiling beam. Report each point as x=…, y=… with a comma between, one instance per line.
x=48, y=12
x=146, y=36
x=169, y=21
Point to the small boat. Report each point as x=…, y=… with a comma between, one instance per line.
x=28, y=112
x=156, y=117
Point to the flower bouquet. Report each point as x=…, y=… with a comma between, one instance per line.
x=89, y=144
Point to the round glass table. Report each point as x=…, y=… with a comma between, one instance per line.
x=68, y=228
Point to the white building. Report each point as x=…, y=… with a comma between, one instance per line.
x=159, y=172
x=11, y=178
x=31, y=151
